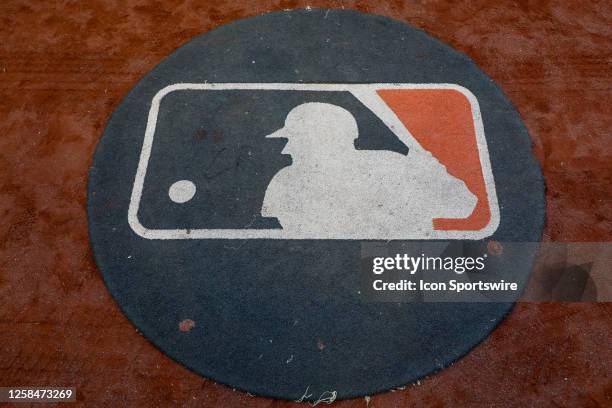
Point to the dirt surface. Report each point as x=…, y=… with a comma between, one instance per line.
x=65, y=67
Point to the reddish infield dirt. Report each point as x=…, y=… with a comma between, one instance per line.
x=65, y=67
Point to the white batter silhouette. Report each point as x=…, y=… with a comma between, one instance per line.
x=332, y=189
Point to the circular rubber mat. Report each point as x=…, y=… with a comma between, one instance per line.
x=235, y=187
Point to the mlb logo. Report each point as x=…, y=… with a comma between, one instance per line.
x=314, y=161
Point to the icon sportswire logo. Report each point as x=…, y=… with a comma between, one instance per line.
x=443, y=188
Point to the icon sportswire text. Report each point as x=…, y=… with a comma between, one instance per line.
x=442, y=188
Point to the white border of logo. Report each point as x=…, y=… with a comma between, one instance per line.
x=367, y=95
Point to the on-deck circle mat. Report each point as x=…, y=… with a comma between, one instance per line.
x=238, y=185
